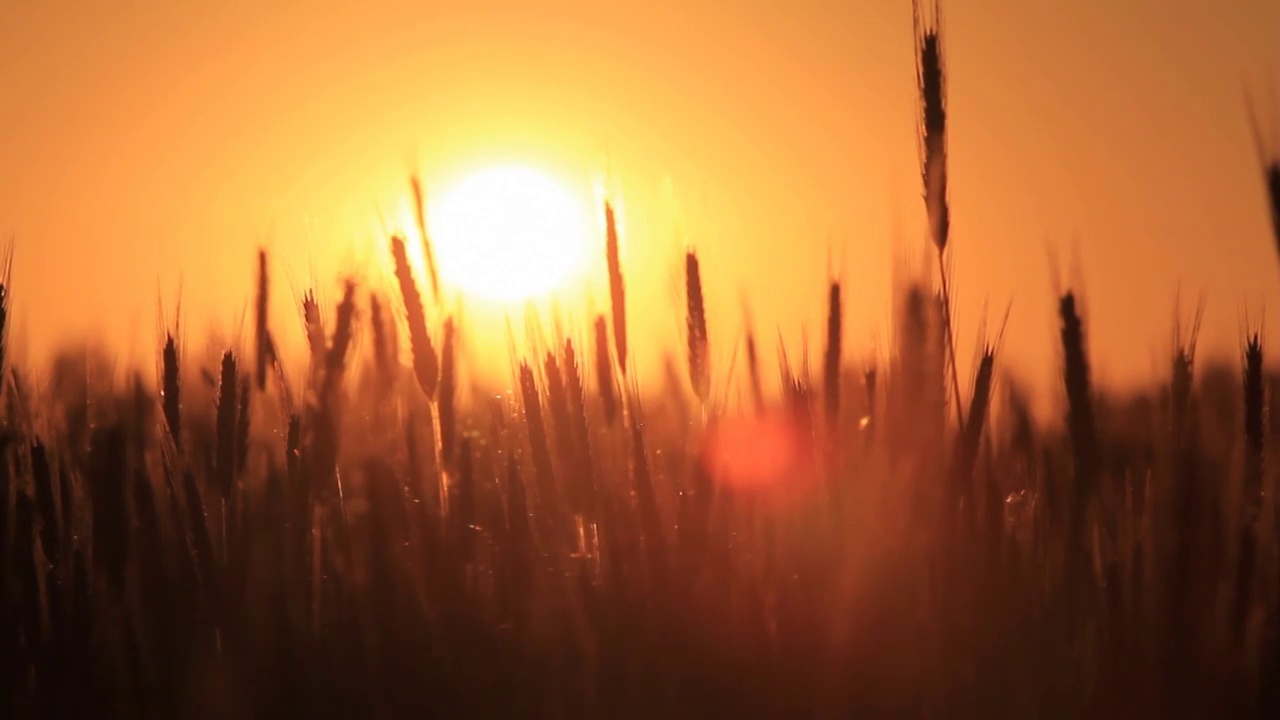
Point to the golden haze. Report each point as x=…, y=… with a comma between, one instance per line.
x=156, y=148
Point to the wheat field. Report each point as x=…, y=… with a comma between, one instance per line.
x=366, y=539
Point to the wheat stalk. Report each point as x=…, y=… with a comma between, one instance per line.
x=445, y=406
x=831, y=358
x=171, y=389
x=617, y=294
x=696, y=322
x=426, y=367
x=314, y=326
x=980, y=401
x=604, y=372
x=753, y=371
x=1082, y=435
x=224, y=462
x=931, y=149
x=1251, y=489
x=262, y=338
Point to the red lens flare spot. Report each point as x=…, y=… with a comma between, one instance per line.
x=755, y=453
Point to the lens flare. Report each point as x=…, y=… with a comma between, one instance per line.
x=756, y=453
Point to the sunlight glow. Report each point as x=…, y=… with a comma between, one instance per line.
x=756, y=452
x=508, y=234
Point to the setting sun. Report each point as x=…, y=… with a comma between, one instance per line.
x=508, y=233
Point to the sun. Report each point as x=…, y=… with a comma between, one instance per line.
x=507, y=234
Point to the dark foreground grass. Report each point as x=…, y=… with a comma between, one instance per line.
x=222, y=550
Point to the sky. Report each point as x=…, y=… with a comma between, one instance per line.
x=149, y=148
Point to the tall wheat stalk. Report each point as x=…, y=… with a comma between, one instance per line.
x=604, y=372
x=227, y=411
x=171, y=388
x=932, y=150
x=1251, y=487
x=314, y=326
x=1084, y=442
x=262, y=342
x=696, y=327
x=426, y=366
x=831, y=359
x=617, y=295
x=446, y=408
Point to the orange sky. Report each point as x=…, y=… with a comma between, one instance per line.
x=166, y=142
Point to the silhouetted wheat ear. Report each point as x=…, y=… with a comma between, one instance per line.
x=616, y=293
x=1180, y=388
x=931, y=84
x=426, y=367
x=932, y=150
x=753, y=371
x=224, y=460
x=1080, y=423
x=448, y=392
x=1251, y=489
x=1254, y=402
x=699, y=369
x=263, y=343
x=315, y=328
x=604, y=372
x=171, y=391
x=978, y=406
x=831, y=360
